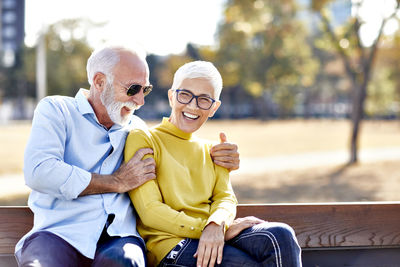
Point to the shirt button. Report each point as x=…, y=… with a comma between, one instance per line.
x=192, y=228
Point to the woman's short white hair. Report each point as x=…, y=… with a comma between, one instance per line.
x=199, y=69
x=104, y=60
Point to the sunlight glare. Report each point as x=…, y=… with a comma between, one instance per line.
x=372, y=12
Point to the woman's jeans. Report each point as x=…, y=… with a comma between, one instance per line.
x=265, y=244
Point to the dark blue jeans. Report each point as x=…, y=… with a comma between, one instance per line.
x=266, y=244
x=45, y=249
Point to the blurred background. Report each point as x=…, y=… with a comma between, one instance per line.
x=311, y=87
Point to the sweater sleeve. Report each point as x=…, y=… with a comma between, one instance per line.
x=148, y=202
x=223, y=206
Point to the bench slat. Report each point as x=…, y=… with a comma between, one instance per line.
x=337, y=224
x=14, y=223
x=330, y=225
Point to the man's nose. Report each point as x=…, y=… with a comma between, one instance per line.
x=138, y=98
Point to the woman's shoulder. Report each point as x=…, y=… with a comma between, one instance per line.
x=139, y=133
x=203, y=142
x=143, y=134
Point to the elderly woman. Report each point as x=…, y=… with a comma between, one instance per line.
x=187, y=213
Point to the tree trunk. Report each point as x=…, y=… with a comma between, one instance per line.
x=357, y=115
x=355, y=120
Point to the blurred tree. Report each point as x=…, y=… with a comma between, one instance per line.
x=358, y=59
x=67, y=54
x=167, y=70
x=11, y=76
x=389, y=59
x=162, y=69
x=263, y=49
x=381, y=93
x=395, y=56
x=15, y=83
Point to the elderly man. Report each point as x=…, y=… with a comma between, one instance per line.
x=73, y=164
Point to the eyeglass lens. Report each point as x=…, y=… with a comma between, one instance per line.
x=185, y=97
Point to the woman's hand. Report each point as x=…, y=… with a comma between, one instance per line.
x=211, y=245
x=240, y=224
x=225, y=154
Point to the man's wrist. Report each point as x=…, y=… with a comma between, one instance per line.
x=101, y=183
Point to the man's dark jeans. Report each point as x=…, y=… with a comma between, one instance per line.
x=45, y=249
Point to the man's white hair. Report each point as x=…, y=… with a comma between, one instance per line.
x=199, y=69
x=104, y=60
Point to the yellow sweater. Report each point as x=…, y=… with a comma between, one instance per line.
x=190, y=190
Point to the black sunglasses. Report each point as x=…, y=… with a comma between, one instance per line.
x=135, y=88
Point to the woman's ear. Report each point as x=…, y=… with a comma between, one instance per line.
x=170, y=96
x=214, y=108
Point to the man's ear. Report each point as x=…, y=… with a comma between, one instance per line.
x=170, y=95
x=214, y=108
x=99, y=81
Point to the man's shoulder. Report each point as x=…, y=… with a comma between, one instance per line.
x=56, y=105
x=136, y=123
x=56, y=100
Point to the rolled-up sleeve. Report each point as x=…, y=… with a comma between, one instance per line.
x=44, y=167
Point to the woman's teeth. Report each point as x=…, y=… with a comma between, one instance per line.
x=190, y=116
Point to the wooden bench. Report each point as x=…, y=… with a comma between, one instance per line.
x=331, y=234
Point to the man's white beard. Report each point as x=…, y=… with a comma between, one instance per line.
x=114, y=107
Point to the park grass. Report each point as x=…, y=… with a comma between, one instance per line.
x=13, y=139
x=378, y=181
x=372, y=181
x=271, y=138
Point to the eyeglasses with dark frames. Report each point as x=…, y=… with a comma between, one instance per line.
x=185, y=97
x=135, y=88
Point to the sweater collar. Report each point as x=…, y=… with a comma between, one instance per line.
x=167, y=126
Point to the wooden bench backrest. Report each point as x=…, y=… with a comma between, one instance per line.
x=336, y=224
x=316, y=225
x=14, y=223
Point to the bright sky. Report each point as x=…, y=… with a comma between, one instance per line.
x=160, y=26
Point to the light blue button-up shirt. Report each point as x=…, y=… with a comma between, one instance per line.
x=66, y=145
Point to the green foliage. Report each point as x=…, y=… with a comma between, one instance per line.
x=381, y=94
x=66, y=53
x=318, y=5
x=66, y=58
x=263, y=48
x=19, y=79
x=265, y=53
x=360, y=62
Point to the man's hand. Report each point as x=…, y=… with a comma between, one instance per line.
x=211, y=245
x=225, y=154
x=136, y=171
x=240, y=224
x=130, y=175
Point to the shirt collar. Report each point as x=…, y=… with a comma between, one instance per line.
x=84, y=106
